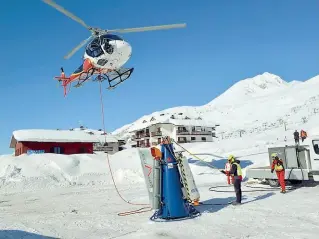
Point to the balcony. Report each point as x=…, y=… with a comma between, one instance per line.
x=201, y=133
x=141, y=135
x=182, y=132
x=186, y=132
x=157, y=133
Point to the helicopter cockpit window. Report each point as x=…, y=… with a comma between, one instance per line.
x=94, y=48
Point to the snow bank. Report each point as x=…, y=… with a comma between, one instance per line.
x=30, y=172
x=46, y=135
x=27, y=172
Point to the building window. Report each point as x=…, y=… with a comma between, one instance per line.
x=159, y=140
x=57, y=150
x=82, y=150
x=203, y=138
x=182, y=139
x=147, y=143
x=315, y=146
x=193, y=138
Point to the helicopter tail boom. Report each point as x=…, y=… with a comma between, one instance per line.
x=65, y=81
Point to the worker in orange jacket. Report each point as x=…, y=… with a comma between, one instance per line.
x=278, y=166
x=227, y=172
x=303, y=135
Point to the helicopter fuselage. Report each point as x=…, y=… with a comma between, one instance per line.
x=108, y=51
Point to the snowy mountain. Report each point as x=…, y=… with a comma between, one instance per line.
x=251, y=106
x=250, y=88
x=90, y=191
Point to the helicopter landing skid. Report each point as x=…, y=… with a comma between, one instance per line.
x=80, y=82
x=115, y=77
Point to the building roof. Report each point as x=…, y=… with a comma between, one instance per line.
x=177, y=122
x=100, y=135
x=47, y=135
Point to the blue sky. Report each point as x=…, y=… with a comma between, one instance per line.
x=224, y=42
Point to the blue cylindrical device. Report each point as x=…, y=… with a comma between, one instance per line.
x=174, y=205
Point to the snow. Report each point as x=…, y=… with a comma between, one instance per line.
x=177, y=121
x=47, y=135
x=252, y=106
x=73, y=196
x=43, y=135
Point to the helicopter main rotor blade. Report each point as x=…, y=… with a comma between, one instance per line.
x=66, y=12
x=75, y=49
x=151, y=28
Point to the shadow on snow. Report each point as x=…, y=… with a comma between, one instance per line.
x=209, y=207
x=17, y=234
x=218, y=163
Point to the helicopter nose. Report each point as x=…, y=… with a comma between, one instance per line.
x=125, y=48
x=125, y=51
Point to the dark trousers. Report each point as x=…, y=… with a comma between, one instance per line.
x=237, y=186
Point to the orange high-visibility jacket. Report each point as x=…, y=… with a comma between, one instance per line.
x=303, y=134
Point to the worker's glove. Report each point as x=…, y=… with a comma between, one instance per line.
x=223, y=171
x=272, y=171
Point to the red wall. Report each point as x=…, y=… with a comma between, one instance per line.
x=69, y=148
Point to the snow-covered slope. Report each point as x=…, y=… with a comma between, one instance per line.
x=246, y=90
x=73, y=196
x=251, y=106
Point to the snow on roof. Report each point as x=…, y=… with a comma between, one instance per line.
x=47, y=135
x=100, y=135
x=177, y=122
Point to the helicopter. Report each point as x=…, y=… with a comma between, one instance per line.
x=105, y=53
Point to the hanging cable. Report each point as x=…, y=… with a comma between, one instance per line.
x=102, y=110
x=214, y=189
x=126, y=213
x=208, y=164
